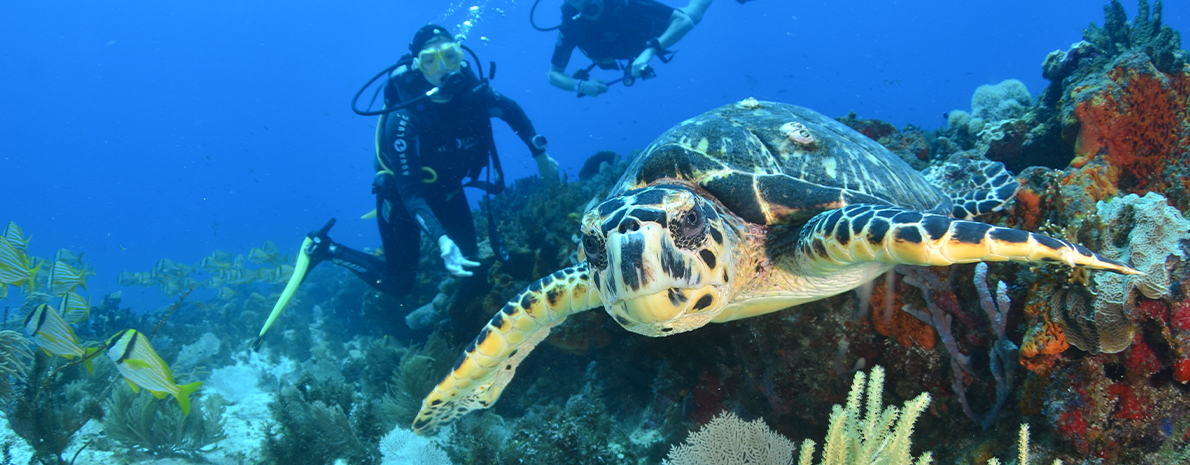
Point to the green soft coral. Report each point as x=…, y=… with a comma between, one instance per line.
x=157, y=426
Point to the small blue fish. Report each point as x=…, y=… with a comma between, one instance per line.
x=47, y=328
x=142, y=367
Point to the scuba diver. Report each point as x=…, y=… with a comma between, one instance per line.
x=610, y=30
x=424, y=150
x=434, y=131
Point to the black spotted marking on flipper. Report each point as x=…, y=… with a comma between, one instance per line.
x=986, y=190
x=489, y=362
x=897, y=235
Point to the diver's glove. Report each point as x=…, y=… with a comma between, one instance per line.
x=547, y=167
x=591, y=88
x=453, y=257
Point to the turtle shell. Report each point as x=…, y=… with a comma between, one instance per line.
x=775, y=163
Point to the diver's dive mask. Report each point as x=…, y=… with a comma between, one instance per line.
x=445, y=58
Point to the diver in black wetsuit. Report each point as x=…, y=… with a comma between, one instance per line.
x=424, y=152
x=610, y=30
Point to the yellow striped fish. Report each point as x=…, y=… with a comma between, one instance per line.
x=73, y=308
x=142, y=367
x=47, y=328
x=13, y=233
x=14, y=266
x=65, y=279
x=69, y=257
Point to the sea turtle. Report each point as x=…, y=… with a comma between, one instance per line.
x=748, y=209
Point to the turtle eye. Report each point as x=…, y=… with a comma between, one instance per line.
x=594, y=250
x=691, y=228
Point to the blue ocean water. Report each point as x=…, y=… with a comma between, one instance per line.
x=146, y=130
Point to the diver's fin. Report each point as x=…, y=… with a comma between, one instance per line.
x=369, y=215
x=300, y=269
x=183, y=395
x=299, y=274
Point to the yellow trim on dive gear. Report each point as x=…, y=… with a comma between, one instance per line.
x=379, y=142
x=433, y=175
x=299, y=274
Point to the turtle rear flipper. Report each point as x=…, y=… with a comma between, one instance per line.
x=976, y=187
x=490, y=361
x=854, y=234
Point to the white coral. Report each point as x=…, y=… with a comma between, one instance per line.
x=728, y=440
x=402, y=447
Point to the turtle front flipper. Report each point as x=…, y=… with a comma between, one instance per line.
x=985, y=188
x=489, y=362
x=876, y=233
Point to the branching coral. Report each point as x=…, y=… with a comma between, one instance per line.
x=1003, y=353
x=49, y=420
x=415, y=376
x=313, y=427
x=729, y=440
x=879, y=435
x=157, y=426
x=14, y=349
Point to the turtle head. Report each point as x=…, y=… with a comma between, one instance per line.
x=661, y=258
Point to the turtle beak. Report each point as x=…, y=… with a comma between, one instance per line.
x=652, y=287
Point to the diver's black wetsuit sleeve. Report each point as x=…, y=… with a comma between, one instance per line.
x=508, y=110
x=563, y=48
x=401, y=156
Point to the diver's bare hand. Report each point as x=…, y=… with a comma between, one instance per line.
x=592, y=88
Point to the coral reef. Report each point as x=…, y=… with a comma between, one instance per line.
x=312, y=425
x=158, y=427
x=415, y=376
x=401, y=447
x=911, y=144
x=14, y=349
x=728, y=440
x=50, y=410
x=1007, y=100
